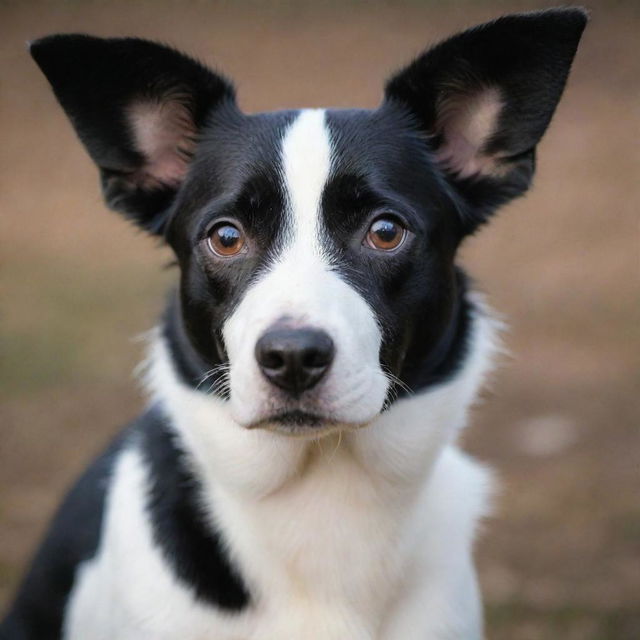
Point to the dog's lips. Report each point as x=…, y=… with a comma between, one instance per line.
x=292, y=420
x=301, y=423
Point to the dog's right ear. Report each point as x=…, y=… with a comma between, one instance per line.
x=484, y=98
x=138, y=107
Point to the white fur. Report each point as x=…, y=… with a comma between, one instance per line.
x=301, y=286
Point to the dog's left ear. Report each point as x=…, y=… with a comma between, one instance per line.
x=138, y=107
x=485, y=98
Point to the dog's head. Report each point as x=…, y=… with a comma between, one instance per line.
x=317, y=247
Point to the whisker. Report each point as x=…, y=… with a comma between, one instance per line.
x=395, y=381
x=331, y=457
x=318, y=442
x=221, y=386
x=222, y=369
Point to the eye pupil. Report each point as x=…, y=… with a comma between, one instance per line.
x=228, y=236
x=225, y=239
x=385, y=234
x=385, y=230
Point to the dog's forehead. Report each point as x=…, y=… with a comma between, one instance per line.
x=299, y=161
x=355, y=136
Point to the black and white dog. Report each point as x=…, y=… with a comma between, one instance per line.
x=296, y=474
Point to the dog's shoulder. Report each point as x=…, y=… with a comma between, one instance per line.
x=72, y=538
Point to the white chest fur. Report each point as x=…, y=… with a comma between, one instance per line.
x=351, y=567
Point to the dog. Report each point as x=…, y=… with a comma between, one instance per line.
x=296, y=475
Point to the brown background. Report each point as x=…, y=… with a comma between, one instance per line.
x=561, y=557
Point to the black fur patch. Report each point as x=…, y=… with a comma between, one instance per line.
x=382, y=165
x=236, y=174
x=190, y=544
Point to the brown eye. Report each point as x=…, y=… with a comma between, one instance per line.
x=226, y=240
x=385, y=234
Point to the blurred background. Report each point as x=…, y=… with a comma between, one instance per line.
x=561, y=556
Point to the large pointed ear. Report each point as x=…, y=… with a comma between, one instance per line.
x=485, y=98
x=138, y=107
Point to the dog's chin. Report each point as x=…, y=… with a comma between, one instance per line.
x=303, y=424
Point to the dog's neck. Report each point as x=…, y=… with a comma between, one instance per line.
x=399, y=446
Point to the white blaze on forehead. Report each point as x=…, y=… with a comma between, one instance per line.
x=302, y=286
x=306, y=161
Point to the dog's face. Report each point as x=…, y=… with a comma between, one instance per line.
x=317, y=247
x=308, y=260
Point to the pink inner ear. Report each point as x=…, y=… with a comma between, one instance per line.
x=466, y=123
x=165, y=134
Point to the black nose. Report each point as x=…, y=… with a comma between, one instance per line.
x=294, y=359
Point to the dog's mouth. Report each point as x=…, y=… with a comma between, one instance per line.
x=298, y=422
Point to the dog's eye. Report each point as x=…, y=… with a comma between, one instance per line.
x=226, y=240
x=385, y=234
